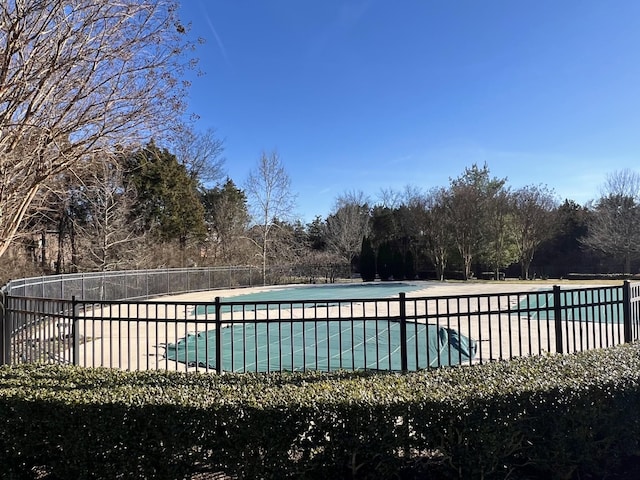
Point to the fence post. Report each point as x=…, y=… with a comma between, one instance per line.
x=74, y=331
x=626, y=311
x=404, y=364
x=218, y=336
x=5, y=332
x=557, y=317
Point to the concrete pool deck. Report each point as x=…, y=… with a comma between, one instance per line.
x=115, y=342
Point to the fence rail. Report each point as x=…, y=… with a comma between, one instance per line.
x=401, y=333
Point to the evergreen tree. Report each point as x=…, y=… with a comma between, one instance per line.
x=385, y=260
x=168, y=202
x=409, y=266
x=227, y=219
x=397, y=264
x=316, y=233
x=367, y=261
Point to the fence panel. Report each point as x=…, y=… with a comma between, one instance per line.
x=396, y=334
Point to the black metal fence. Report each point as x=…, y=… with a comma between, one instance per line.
x=400, y=333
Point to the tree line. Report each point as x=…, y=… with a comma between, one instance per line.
x=99, y=172
x=479, y=227
x=154, y=207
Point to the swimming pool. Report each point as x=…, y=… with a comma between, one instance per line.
x=300, y=296
x=333, y=291
x=340, y=340
x=594, y=305
x=324, y=346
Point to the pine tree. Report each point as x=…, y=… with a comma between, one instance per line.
x=168, y=202
x=385, y=261
x=367, y=261
x=397, y=264
x=409, y=266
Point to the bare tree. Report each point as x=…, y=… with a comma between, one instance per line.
x=51, y=214
x=390, y=198
x=349, y=223
x=268, y=190
x=76, y=78
x=532, y=217
x=436, y=229
x=106, y=231
x=614, y=226
x=201, y=154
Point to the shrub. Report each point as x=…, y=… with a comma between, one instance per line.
x=540, y=417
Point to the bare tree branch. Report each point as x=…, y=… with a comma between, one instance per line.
x=349, y=223
x=76, y=78
x=270, y=198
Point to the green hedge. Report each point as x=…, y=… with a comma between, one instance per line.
x=602, y=276
x=539, y=417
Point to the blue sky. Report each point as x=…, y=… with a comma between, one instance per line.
x=367, y=95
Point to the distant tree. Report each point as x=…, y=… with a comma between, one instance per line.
x=76, y=78
x=385, y=261
x=390, y=198
x=468, y=206
x=397, y=264
x=227, y=219
x=563, y=251
x=437, y=230
x=367, y=261
x=614, y=227
x=106, y=230
x=268, y=190
x=55, y=211
x=348, y=224
x=316, y=233
x=409, y=266
x=201, y=153
x=167, y=200
x=289, y=243
x=533, y=222
x=499, y=248
x=383, y=225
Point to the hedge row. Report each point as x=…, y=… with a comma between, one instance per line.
x=540, y=417
x=603, y=276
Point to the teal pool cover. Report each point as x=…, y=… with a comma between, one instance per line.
x=299, y=296
x=324, y=345
x=594, y=305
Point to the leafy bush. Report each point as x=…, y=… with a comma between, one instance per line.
x=539, y=417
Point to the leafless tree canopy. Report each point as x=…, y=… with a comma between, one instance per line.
x=201, y=154
x=270, y=198
x=109, y=238
x=437, y=230
x=614, y=227
x=78, y=77
x=533, y=209
x=348, y=224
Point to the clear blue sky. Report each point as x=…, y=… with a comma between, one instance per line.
x=371, y=95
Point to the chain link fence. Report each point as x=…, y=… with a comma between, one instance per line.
x=140, y=284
